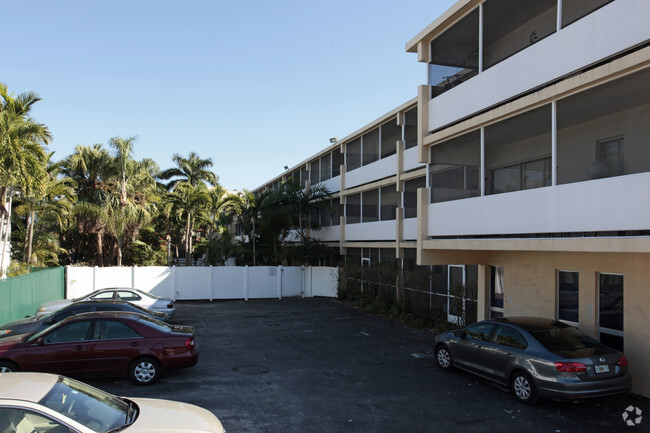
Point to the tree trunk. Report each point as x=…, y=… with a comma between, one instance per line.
x=120, y=244
x=99, y=260
x=5, y=238
x=188, y=240
x=32, y=215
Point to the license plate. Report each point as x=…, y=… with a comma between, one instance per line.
x=601, y=368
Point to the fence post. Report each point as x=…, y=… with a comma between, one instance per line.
x=173, y=283
x=210, y=288
x=279, y=282
x=246, y=283
x=94, y=278
x=133, y=276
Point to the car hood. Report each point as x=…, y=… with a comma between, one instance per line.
x=31, y=319
x=11, y=341
x=161, y=416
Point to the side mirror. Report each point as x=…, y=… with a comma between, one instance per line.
x=41, y=341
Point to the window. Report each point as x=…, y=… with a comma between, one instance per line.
x=337, y=212
x=353, y=154
x=567, y=299
x=510, y=337
x=337, y=162
x=77, y=331
x=22, y=420
x=112, y=330
x=455, y=168
x=390, y=133
x=610, y=310
x=326, y=167
x=610, y=152
x=128, y=296
x=314, y=172
x=411, y=196
x=480, y=331
x=525, y=175
x=370, y=146
x=573, y=10
x=496, y=291
x=353, y=209
x=411, y=128
x=389, y=202
x=104, y=295
x=454, y=55
x=370, y=206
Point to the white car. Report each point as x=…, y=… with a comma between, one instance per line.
x=41, y=402
x=134, y=296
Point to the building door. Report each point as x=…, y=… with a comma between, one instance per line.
x=455, y=292
x=610, y=310
x=496, y=291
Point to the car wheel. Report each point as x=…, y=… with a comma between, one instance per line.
x=443, y=357
x=523, y=388
x=8, y=367
x=144, y=371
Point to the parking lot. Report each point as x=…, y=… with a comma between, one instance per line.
x=316, y=365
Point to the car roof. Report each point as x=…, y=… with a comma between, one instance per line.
x=530, y=323
x=106, y=314
x=26, y=386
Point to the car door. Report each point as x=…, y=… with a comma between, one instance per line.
x=467, y=350
x=129, y=296
x=112, y=347
x=61, y=351
x=499, y=354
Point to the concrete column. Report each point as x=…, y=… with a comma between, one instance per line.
x=483, y=293
x=424, y=93
x=423, y=221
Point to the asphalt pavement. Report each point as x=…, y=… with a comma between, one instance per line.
x=319, y=365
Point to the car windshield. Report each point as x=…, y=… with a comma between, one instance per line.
x=564, y=338
x=89, y=406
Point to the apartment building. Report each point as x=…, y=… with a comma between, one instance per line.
x=522, y=166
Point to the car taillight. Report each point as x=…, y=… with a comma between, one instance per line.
x=622, y=362
x=170, y=305
x=570, y=367
x=190, y=343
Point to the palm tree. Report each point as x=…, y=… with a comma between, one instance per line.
x=302, y=202
x=50, y=210
x=192, y=170
x=22, y=156
x=90, y=168
x=190, y=203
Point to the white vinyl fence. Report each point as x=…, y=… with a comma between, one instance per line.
x=207, y=283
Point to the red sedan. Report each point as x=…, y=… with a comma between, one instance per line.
x=103, y=344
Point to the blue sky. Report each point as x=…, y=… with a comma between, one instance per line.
x=254, y=85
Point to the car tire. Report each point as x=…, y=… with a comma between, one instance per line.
x=144, y=371
x=8, y=367
x=443, y=357
x=523, y=387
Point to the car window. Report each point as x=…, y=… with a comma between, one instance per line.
x=104, y=295
x=510, y=337
x=77, y=331
x=21, y=420
x=479, y=331
x=128, y=296
x=113, y=330
x=89, y=406
x=564, y=337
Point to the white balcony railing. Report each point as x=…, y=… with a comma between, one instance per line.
x=612, y=204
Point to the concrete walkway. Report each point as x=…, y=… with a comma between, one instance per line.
x=317, y=365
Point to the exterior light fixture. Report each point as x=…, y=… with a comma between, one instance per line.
x=334, y=140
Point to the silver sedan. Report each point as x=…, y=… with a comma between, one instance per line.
x=134, y=296
x=535, y=357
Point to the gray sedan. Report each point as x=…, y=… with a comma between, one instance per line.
x=535, y=357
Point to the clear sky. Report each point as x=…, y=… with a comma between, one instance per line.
x=255, y=85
